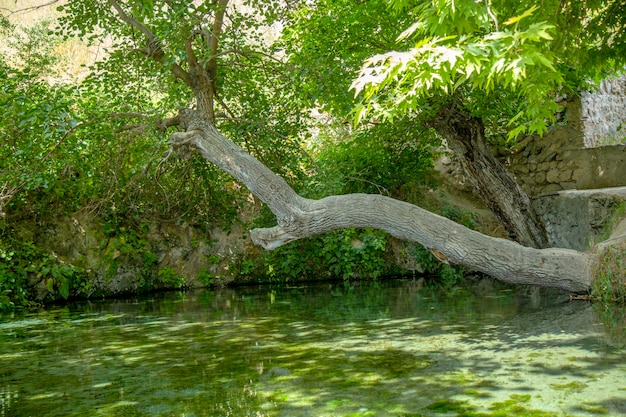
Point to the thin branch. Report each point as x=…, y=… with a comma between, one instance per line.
x=226, y=107
x=246, y=54
x=133, y=22
x=129, y=114
x=491, y=15
x=135, y=128
x=163, y=124
x=206, y=35
x=153, y=49
x=191, y=56
x=218, y=24
x=27, y=9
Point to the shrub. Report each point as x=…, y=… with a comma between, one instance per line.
x=610, y=281
x=346, y=254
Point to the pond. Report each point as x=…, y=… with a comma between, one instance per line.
x=391, y=348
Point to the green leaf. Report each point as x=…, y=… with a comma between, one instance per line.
x=524, y=15
x=64, y=288
x=410, y=31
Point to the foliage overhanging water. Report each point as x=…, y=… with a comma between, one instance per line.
x=374, y=349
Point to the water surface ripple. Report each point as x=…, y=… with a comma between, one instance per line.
x=370, y=349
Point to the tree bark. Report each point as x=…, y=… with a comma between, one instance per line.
x=495, y=185
x=298, y=217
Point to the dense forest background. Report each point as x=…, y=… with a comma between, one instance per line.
x=94, y=201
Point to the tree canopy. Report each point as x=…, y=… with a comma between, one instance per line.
x=487, y=53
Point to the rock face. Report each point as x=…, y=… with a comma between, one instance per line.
x=575, y=218
x=165, y=254
x=576, y=173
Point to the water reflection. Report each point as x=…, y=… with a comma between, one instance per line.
x=373, y=349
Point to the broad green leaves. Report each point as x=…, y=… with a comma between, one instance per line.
x=469, y=49
x=461, y=48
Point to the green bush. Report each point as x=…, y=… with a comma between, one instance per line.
x=24, y=266
x=170, y=278
x=205, y=277
x=382, y=159
x=345, y=254
x=610, y=277
x=450, y=275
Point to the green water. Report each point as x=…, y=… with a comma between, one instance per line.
x=375, y=349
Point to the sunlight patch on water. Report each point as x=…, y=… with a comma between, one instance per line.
x=16, y=355
x=44, y=396
x=21, y=324
x=375, y=351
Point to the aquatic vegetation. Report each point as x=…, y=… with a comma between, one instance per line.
x=307, y=350
x=514, y=406
x=574, y=386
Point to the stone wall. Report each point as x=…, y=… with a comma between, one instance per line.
x=573, y=156
x=115, y=268
x=603, y=112
x=557, y=162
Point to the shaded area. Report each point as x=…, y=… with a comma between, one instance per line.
x=392, y=349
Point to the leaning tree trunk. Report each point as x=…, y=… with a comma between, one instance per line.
x=299, y=217
x=495, y=185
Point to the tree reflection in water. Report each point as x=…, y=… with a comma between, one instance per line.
x=379, y=348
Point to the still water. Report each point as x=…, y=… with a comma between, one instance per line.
x=372, y=349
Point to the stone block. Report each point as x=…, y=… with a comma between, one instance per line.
x=547, y=157
x=551, y=188
x=565, y=175
x=553, y=176
x=540, y=177
x=579, y=174
x=566, y=155
x=522, y=169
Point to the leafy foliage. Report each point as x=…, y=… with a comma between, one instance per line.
x=610, y=283
x=26, y=270
x=470, y=50
x=381, y=159
x=327, y=42
x=346, y=254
